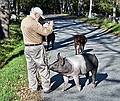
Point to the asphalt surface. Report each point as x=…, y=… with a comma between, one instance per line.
x=107, y=49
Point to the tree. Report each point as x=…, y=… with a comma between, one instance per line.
x=80, y=7
x=4, y=19
x=115, y=5
x=90, y=10
x=62, y=6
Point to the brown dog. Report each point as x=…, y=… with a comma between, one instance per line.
x=79, y=43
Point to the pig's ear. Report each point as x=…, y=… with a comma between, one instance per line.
x=58, y=56
x=61, y=61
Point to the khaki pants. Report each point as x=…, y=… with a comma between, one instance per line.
x=36, y=65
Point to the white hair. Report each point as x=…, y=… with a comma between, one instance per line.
x=37, y=10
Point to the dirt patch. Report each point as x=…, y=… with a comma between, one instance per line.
x=26, y=95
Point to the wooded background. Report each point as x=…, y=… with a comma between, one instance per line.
x=89, y=8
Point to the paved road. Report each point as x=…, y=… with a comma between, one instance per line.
x=107, y=49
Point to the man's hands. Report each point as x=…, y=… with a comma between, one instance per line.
x=48, y=23
x=45, y=25
x=51, y=23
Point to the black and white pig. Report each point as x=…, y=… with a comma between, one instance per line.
x=75, y=66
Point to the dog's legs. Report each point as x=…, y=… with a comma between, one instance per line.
x=76, y=79
x=78, y=49
x=75, y=49
x=65, y=82
x=48, y=44
x=88, y=79
x=52, y=44
x=82, y=48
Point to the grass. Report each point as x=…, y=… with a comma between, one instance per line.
x=8, y=46
x=12, y=77
x=105, y=24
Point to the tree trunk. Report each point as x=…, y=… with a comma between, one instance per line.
x=69, y=6
x=4, y=19
x=18, y=10
x=90, y=10
x=114, y=14
x=80, y=7
x=115, y=3
x=61, y=8
x=14, y=6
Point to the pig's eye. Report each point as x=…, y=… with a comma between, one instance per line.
x=56, y=64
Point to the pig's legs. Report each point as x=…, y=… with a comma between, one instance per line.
x=76, y=79
x=65, y=82
x=93, y=77
x=88, y=79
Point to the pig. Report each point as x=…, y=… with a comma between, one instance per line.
x=79, y=43
x=75, y=66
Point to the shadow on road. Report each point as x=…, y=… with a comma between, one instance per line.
x=87, y=50
x=58, y=80
x=63, y=43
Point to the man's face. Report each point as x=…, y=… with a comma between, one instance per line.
x=37, y=16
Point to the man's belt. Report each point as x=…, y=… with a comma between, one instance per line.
x=33, y=44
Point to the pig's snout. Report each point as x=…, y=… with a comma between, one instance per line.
x=53, y=68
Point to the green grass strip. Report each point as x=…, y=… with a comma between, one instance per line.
x=12, y=76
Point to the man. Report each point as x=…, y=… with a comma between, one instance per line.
x=34, y=50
